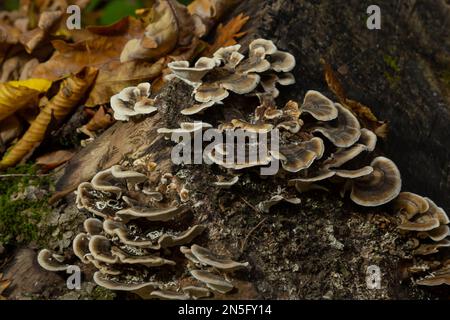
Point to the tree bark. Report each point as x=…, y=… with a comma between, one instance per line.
x=322, y=248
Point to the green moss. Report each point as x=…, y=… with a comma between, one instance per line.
x=19, y=218
x=392, y=74
x=100, y=293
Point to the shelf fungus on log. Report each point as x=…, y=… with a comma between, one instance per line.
x=230, y=70
x=133, y=241
x=421, y=219
x=133, y=101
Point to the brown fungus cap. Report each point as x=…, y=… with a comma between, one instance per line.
x=264, y=206
x=151, y=214
x=51, y=261
x=379, y=187
x=437, y=212
x=80, y=247
x=301, y=156
x=93, y=226
x=213, y=281
x=206, y=257
x=353, y=174
x=427, y=249
x=141, y=288
x=344, y=131
x=196, y=292
x=133, y=101
x=410, y=204
x=281, y=61
x=319, y=106
x=193, y=75
x=169, y=295
x=424, y=222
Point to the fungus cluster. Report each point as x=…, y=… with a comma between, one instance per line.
x=133, y=101
x=428, y=225
x=136, y=239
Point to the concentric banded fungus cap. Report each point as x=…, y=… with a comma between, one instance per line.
x=132, y=177
x=141, y=288
x=298, y=157
x=281, y=61
x=151, y=214
x=439, y=233
x=93, y=226
x=437, y=212
x=206, y=257
x=240, y=83
x=212, y=281
x=265, y=206
x=424, y=222
x=229, y=55
x=368, y=139
x=199, y=107
x=344, y=131
x=269, y=82
x=353, y=174
x=208, y=92
x=315, y=175
x=226, y=184
x=167, y=241
x=268, y=46
x=132, y=101
x=104, y=181
x=51, y=261
x=193, y=75
x=379, y=187
x=319, y=106
x=196, y=292
x=169, y=295
x=342, y=156
x=427, y=249
x=409, y=204
x=437, y=278
x=80, y=247
x=100, y=248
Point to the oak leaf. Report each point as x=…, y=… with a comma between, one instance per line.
x=54, y=159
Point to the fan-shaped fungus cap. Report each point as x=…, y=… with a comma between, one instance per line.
x=353, y=174
x=240, y=83
x=93, y=226
x=104, y=181
x=196, y=292
x=145, y=260
x=100, y=248
x=151, y=214
x=319, y=106
x=193, y=75
x=439, y=233
x=229, y=55
x=344, y=131
x=210, y=92
x=51, y=261
x=437, y=212
x=281, y=61
x=268, y=46
x=298, y=157
x=427, y=249
x=379, y=187
x=425, y=222
x=205, y=256
x=212, y=281
x=132, y=101
x=409, y=204
x=80, y=247
x=313, y=176
x=342, y=156
x=169, y=295
x=132, y=177
x=141, y=288
x=198, y=107
x=368, y=139
x=269, y=82
x=437, y=278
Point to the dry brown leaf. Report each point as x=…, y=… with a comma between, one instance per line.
x=101, y=50
x=170, y=26
x=100, y=120
x=10, y=129
x=363, y=112
x=54, y=159
x=227, y=35
x=122, y=75
x=72, y=90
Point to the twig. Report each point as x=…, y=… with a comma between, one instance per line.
x=250, y=205
x=249, y=234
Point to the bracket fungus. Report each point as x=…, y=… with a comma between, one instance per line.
x=133, y=101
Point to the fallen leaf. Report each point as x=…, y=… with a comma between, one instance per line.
x=100, y=120
x=227, y=35
x=15, y=95
x=102, y=48
x=71, y=91
x=10, y=129
x=363, y=112
x=170, y=26
x=122, y=75
x=54, y=159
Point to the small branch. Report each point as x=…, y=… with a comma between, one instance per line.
x=250, y=205
x=249, y=234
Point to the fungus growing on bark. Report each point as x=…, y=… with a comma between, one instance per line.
x=133, y=101
x=51, y=261
x=319, y=106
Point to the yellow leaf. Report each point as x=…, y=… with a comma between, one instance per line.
x=15, y=95
x=226, y=35
x=41, y=85
x=71, y=92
